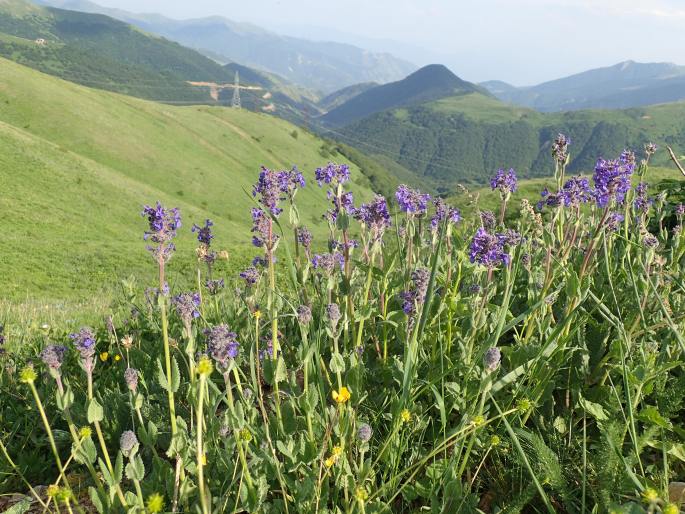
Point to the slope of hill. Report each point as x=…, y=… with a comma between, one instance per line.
x=79, y=163
x=317, y=65
x=465, y=138
x=626, y=84
x=339, y=97
x=431, y=82
x=99, y=51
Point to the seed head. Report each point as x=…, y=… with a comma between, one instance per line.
x=491, y=359
x=127, y=442
x=155, y=503
x=364, y=433
x=131, y=378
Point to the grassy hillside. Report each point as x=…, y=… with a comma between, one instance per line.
x=464, y=138
x=98, y=51
x=78, y=164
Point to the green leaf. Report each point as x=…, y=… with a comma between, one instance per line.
x=64, y=401
x=594, y=409
x=337, y=363
x=161, y=377
x=119, y=468
x=95, y=499
x=135, y=469
x=95, y=412
x=175, y=375
x=651, y=415
x=20, y=507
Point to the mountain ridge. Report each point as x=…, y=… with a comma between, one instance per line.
x=623, y=85
x=320, y=65
x=428, y=83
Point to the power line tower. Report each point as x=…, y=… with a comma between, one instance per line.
x=236, y=92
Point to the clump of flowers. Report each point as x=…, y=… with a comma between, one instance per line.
x=131, y=379
x=487, y=219
x=491, y=359
x=416, y=295
x=642, y=202
x=53, y=356
x=375, y=217
x=222, y=344
x=576, y=190
x=304, y=315
x=364, y=432
x=128, y=442
x=204, y=237
x=84, y=341
x=612, y=178
x=505, y=181
x=332, y=174
x=274, y=186
x=187, y=307
x=215, y=286
x=163, y=224
x=560, y=149
x=488, y=249
x=412, y=201
x=333, y=314
x=326, y=262
x=342, y=395
x=444, y=212
x=262, y=230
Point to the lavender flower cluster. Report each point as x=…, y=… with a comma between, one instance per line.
x=505, y=181
x=412, y=201
x=163, y=224
x=490, y=249
x=222, y=344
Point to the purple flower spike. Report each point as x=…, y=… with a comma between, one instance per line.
x=412, y=201
x=332, y=174
x=444, y=212
x=187, y=305
x=505, y=181
x=612, y=178
x=222, y=344
x=163, y=225
x=488, y=249
x=204, y=234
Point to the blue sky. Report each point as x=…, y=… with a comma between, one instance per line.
x=519, y=41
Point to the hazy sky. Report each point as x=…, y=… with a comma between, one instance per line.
x=520, y=41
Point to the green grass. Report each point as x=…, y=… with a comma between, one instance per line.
x=80, y=163
x=482, y=108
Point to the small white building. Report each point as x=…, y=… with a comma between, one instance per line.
x=41, y=42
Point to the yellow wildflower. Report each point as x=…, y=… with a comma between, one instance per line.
x=405, y=415
x=342, y=395
x=85, y=432
x=104, y=356
x=478, y=421
x=329, y=462
x=361, y=494
x=245, y=435
x=205, y=366
x=337, y=451
x=650, y=495
x=257, y=314
x=495, y=440
x=670, y=508
x=117, y=357
x=155, y=503
x=28, y=375
x=53, y=490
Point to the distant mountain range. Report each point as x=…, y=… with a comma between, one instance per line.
x=321, y=66
x=446, y=130
x=430, y=83
x=624, y=85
